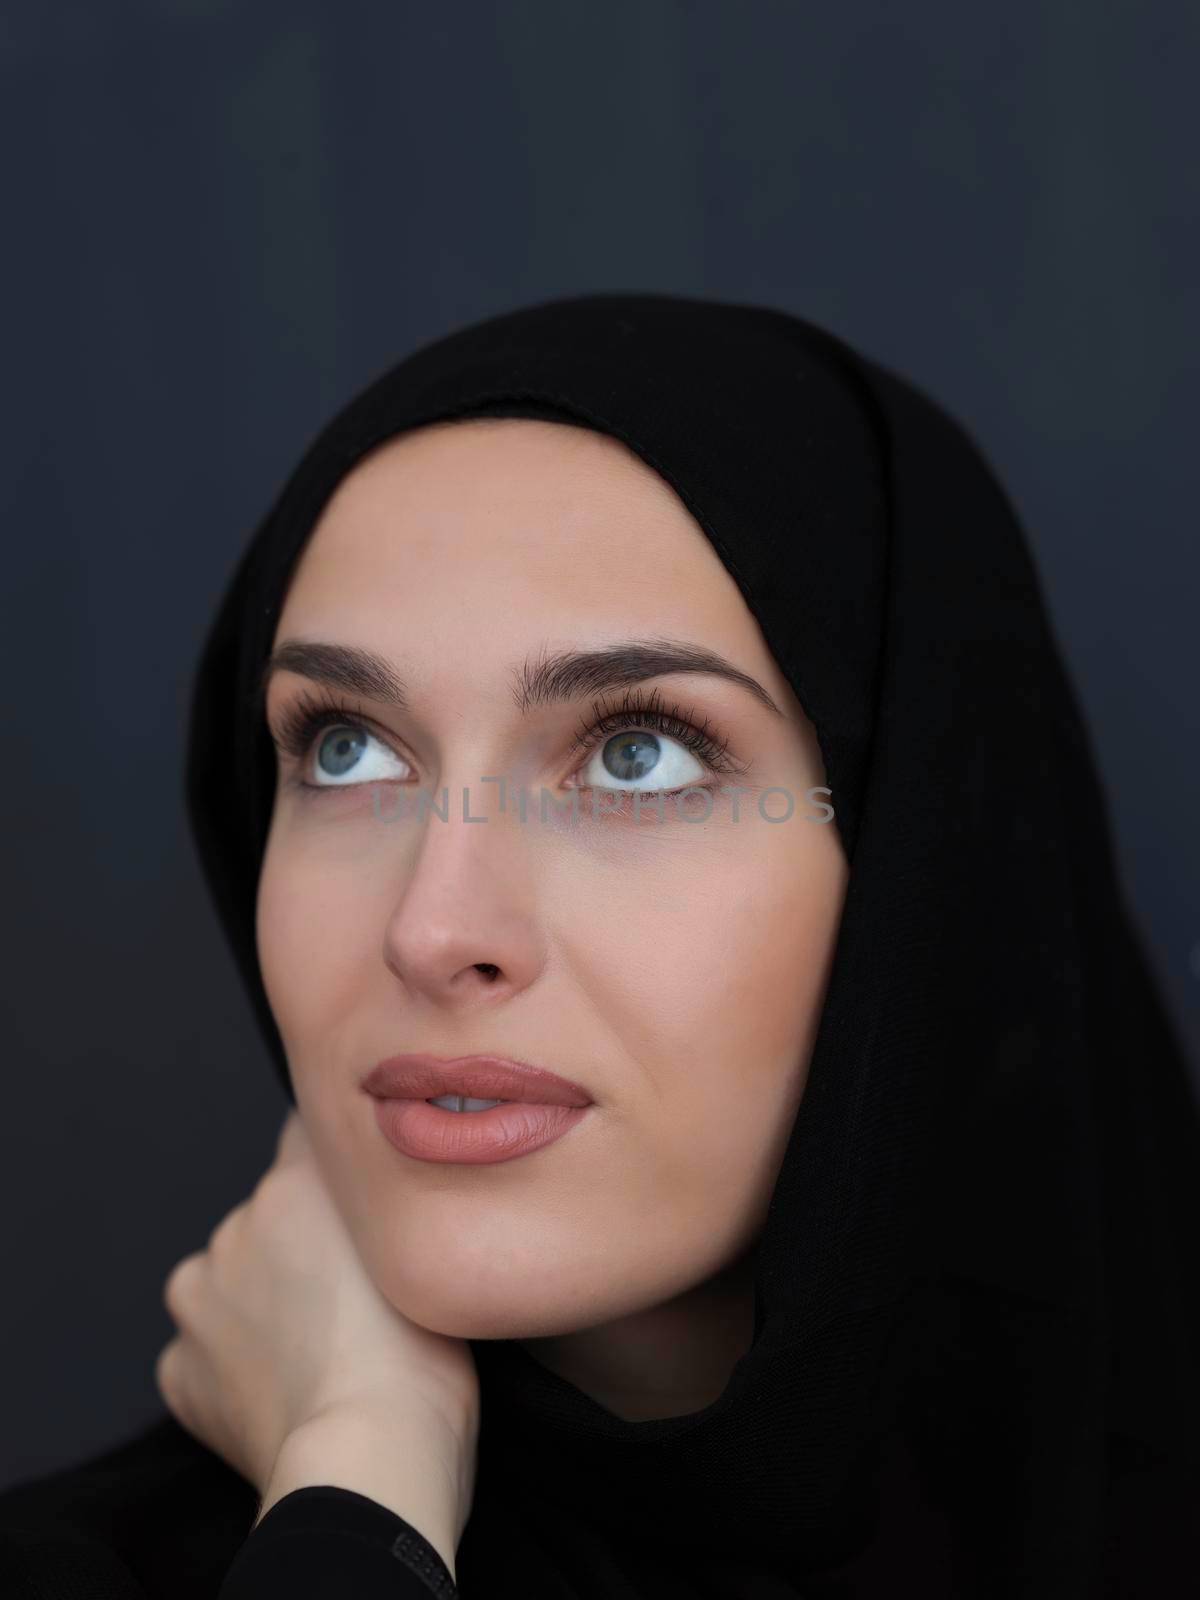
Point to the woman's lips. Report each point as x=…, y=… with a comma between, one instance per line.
x=473, y=1138
x=425, y=1077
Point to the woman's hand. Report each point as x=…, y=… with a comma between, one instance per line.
x=280, y=1324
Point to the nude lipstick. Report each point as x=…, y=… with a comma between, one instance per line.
x=535, y=1107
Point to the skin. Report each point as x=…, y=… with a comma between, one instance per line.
x=675, y=969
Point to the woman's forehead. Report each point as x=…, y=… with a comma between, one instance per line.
x=434, y=532
x=450, y=458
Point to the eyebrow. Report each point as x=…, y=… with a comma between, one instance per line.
x=552, y=678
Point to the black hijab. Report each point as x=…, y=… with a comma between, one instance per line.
x=975, y=1366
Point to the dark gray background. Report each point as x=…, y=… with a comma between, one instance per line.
x=223, y=218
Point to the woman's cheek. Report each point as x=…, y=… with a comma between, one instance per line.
x=300, y=941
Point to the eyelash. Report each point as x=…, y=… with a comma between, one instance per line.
x=639, y=710
x=309, y=716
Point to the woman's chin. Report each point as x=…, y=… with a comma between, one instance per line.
x=478, y=1310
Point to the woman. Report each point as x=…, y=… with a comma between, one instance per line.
x=698, y=737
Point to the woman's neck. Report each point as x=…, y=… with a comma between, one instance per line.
x=668, y=1361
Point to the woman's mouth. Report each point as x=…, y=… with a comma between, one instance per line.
x=462, y=1102
x=500, y=1130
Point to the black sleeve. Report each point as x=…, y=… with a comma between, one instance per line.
x=324, y=1541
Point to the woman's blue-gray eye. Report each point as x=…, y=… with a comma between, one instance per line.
x=643, y=759
x=346, y=745
x=631, y=755
x=339, y=754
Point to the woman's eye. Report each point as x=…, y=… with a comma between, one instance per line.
x=642, y=760
x=343, y=752
x=340, y=752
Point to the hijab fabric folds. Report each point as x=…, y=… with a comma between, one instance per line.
x=975, y=1369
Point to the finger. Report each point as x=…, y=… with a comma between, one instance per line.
x=228, y=1226
x=181, y=1283
x=168, y=1377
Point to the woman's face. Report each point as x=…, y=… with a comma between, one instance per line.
x=673, y=967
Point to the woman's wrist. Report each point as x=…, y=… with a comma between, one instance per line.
x=413, y=1462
